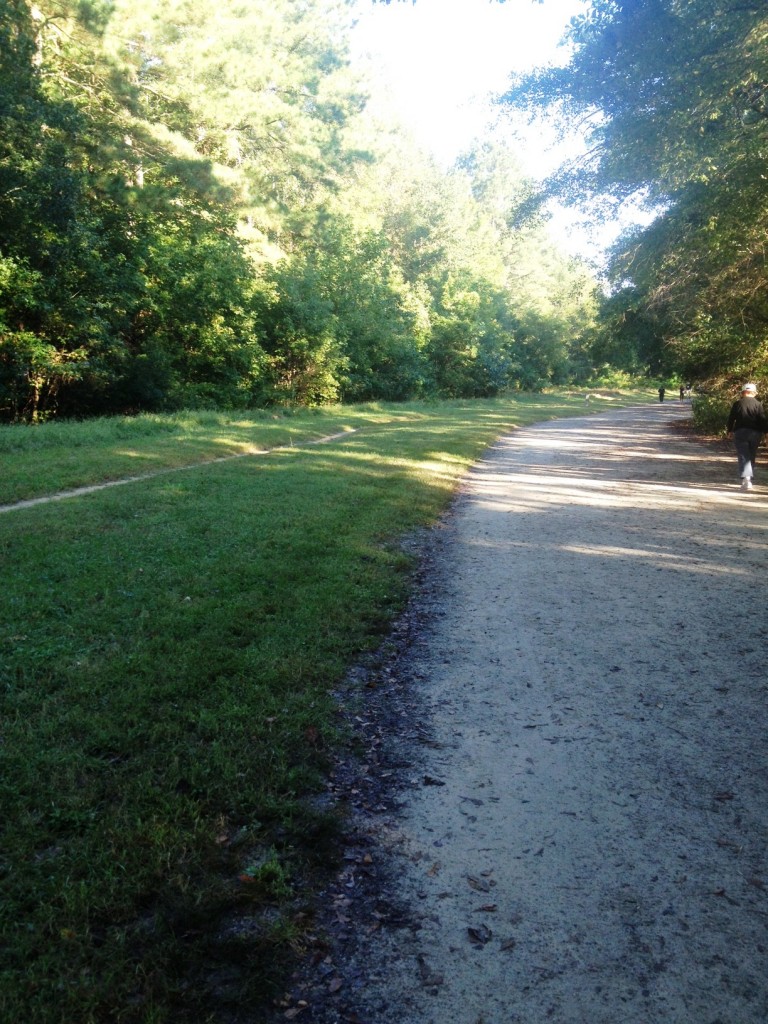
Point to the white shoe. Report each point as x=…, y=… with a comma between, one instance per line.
x=746, y=484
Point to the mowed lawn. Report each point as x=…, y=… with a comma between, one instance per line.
x=166, y=649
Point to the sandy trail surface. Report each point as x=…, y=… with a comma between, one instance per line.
x=582, y=836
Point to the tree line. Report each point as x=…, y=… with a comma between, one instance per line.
x=672, y=100
x=198, y=208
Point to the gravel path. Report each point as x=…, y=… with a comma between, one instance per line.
x=583, y=840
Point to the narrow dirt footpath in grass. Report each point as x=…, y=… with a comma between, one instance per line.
x=582, y=828
x=78, y=492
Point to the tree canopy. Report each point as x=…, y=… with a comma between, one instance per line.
x=196, y=208
x=672, y=99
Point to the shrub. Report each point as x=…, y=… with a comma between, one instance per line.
x=710, y=413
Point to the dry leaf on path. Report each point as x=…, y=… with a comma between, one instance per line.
x=480, y=934
x=430, y=780
x=295, y=1011
x=428, y=977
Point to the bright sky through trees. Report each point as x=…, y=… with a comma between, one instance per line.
x=443, y=60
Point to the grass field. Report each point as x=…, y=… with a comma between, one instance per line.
x=168, y=651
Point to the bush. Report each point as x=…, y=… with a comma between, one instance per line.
x=610, y=377
x=710, y=413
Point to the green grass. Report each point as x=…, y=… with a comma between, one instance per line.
x=168, y=652
x=58, y=456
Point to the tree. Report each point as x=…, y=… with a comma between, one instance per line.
x=673, y=101
x=43, y=252
x=262, y=90
x=628, y=338
x=131, y=148
x=196, y=209
x=661, y=90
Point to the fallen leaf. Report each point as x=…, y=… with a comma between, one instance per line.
x=429, y=978
x=335, y=984
x=488, y=908
x=478, y=884
x=295, y=1011
x=508, y=944
x=480, y=934
x=429, y=780
x=434, y=869
x=312, y=736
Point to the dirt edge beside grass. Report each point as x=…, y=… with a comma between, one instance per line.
x=384, y=907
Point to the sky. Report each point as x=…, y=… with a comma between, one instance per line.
x=442, y=63
x=443, y=60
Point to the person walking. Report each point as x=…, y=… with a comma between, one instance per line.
x=746, y=425
x=662, y=392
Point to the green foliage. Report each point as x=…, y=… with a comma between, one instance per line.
x=673, y=102
x=127, y=231
x=627, y=337
x=609, y=377
x=300, y=338
x=710, y=413
x=701, y=271
x=661, y=88
x=196, y=210
x=31, y=373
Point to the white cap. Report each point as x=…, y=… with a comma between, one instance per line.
x=750, y=387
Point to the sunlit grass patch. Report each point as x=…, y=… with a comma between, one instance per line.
x=59, y=456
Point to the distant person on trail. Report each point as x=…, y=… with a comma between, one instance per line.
x=746, y=424
x=662, y=392
x=682, y=393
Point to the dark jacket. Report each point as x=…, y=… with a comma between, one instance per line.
x=747, y=413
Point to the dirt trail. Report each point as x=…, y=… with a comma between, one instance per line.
x=583, y=838
x=77, y=492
